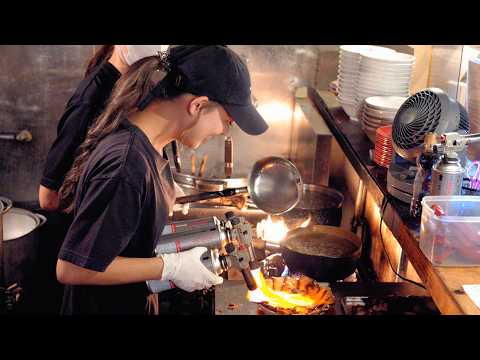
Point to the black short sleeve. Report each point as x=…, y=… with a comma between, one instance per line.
x=105, y=222
x=72, y=130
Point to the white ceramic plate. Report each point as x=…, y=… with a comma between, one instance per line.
x=374, y=122
x=385, y=102
x=346, y=82
x=379, y=114
x=380, y=77
x=347, y=92
x=348, y=74
x=386, y=57
x=375, y=71
x=349, y=61
x=381, y=87
x=360, y=49
x=362, y=95
x=347, y=100
x=381, y=84
x=385, y=67
x=368, y=114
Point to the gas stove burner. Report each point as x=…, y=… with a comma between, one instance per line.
x=274, y=266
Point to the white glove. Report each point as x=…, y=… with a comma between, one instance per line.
x=184, y=208
x=133, y=53
x=187, y=272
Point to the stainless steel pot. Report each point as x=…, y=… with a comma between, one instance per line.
x=5, y=206
x=20, y=244
x=323, y=205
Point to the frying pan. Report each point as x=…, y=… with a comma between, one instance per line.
x=325, y=253
x=275, y=186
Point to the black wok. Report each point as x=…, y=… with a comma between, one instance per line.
x=324, y=253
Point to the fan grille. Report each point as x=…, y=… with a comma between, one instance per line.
x=418, y=115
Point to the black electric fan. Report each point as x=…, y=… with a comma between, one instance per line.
x=430, y=110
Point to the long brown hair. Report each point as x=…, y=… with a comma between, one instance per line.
x=101, y=55
x=129, y=90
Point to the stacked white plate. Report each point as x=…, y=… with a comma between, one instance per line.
x=379, y=111
x=348, y=70
x=383, y=74
x=473, y=94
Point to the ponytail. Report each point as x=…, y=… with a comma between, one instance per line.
x=101, y=55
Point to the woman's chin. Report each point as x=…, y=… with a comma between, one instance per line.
x=190, y=145
x=194, y=144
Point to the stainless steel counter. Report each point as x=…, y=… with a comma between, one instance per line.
x=233, y=292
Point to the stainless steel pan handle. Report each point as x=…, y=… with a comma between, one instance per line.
x=8, y=204
x=42, y=219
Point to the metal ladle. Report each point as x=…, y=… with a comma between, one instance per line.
x=275, y=186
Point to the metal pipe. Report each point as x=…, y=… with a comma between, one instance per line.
x=188, y=226
x=203, y=166
x=249, y=279
x=176, y=156
x=228, y=157
x=175, y=243
x=359, y=209
x=21, y=136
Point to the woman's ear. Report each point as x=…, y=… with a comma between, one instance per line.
x=196, y=105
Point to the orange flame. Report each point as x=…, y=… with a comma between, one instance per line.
x=275, y=231
x=275, y=298
x=272, y=231
x=306, y=222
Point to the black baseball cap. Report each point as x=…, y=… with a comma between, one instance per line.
x=217, y=72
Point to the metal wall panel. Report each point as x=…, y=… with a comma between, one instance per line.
x=36, y=82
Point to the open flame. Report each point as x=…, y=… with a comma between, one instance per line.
x=272, y=231
x=279, y=299
x=275, y=231
x=306, y=222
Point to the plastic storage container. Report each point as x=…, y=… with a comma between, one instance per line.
x=450, y=230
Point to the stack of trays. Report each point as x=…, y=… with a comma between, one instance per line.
x=379, y=111
x=383, y=146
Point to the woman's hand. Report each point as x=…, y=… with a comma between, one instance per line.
x=49, y=199
x=186, y=270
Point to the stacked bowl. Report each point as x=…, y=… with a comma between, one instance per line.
x=384, y=74
x=348, y=71
x=379, y=111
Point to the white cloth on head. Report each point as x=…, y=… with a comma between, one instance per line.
x=133, y=53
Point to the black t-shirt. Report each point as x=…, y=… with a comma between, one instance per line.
x=84, y=106
x=122, y=203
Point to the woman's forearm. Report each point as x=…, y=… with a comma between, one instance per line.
x=122, y=270
x=48, y=198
